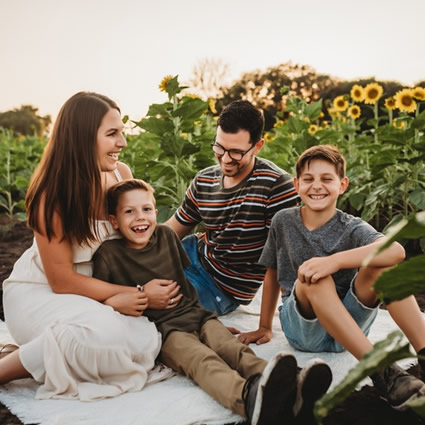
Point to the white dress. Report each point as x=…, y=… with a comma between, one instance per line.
x=74, y=346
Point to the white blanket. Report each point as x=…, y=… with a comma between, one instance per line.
x=176, y=401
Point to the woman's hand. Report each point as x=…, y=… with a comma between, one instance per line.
x=162, y=294
x=129, y=303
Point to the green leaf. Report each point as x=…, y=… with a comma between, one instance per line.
x=156, y=125
x=313, y=110
x=419, y=121
x=173, y=87
x=384, y=353
x=411, y=228
x=417, y=198
x=191, y=109
x=401, y=281
x=162, y=109
x=295, y=125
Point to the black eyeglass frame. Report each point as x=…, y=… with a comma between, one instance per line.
x=231, y=152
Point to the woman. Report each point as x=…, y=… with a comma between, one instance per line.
x=70, y=341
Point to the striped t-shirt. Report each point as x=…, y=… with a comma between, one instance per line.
x=237, y=221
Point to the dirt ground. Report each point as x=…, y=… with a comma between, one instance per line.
x=363, y=407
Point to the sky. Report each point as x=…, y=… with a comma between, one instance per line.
x=51, y=49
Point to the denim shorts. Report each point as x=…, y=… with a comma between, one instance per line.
x=210, y=295
x=309, y=335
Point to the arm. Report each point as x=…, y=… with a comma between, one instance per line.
x=271, y=291
x=317, y=268
x=56, y=256
x=179, y=228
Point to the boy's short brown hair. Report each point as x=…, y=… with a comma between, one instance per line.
x=117, y=190
x=325, y=152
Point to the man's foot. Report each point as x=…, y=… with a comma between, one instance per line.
x=314, y=380
x=397, y=386
x=269, y=397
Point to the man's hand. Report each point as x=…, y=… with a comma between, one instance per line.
x=260, y=336
x=316, y=268
x=162, y=294
x=129, y=303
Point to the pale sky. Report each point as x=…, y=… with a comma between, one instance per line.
x=51, y=49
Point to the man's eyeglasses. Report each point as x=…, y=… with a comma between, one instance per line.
x=235, y=154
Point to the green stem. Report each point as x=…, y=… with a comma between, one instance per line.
x=375, y=113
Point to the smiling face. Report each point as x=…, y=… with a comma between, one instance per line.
x=319, y=186
x=240, y=142
x=135, y=217
x=110, y=140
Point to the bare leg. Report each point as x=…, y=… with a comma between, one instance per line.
x=405, y=313
x=408, y=316
x=11, y=368
x=322, y=301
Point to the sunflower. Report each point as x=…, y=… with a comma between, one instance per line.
x=334, y=114
x=354, y=111
x=404, y=100
x=340, y=104
x=313, y=128
x=211, y=105
x=372, y=93
x=390, y=103
x=163, y=84
x=278, y=124
x=357, y=93
x=400, y=124
x=268, y=137
x=418, y=93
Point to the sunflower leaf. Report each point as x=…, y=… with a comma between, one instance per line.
x=385, y=352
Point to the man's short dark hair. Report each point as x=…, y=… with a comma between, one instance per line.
x=242, y=115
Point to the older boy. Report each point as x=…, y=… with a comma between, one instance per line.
x=195, y=343
x=314, y=255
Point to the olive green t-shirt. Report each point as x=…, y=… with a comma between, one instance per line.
x=162, y=258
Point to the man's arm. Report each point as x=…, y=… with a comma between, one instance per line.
x=180, y=229
x=271, y=291
x=317, y=268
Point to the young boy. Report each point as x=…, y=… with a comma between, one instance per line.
x=195, y=342
x=314, y=256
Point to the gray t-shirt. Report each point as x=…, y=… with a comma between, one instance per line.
x=290, y=243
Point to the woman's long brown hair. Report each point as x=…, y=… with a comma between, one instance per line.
x=68, y=178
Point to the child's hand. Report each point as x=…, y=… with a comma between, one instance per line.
x=316, y=268
x=260, y=336
x=129, y=303
x=162, y=294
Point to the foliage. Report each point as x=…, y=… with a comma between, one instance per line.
x=384, y=353
x=385, y=161
x=20, y=157
x=407, y=278
x=25, y=121
x=173, y=146
x=263, y=88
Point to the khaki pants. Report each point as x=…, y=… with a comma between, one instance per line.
x=213, y=358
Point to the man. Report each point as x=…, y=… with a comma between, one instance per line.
x=236, y=201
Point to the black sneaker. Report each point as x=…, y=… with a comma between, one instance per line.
x=269, y=397
x=314, y=380
x=397, y=386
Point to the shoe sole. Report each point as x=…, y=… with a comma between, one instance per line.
x=313, y=382
x=276, y=391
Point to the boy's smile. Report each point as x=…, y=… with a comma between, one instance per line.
x=135, y=217
x=319, y=186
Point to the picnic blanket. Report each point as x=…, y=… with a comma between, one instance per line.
x=176, y=401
